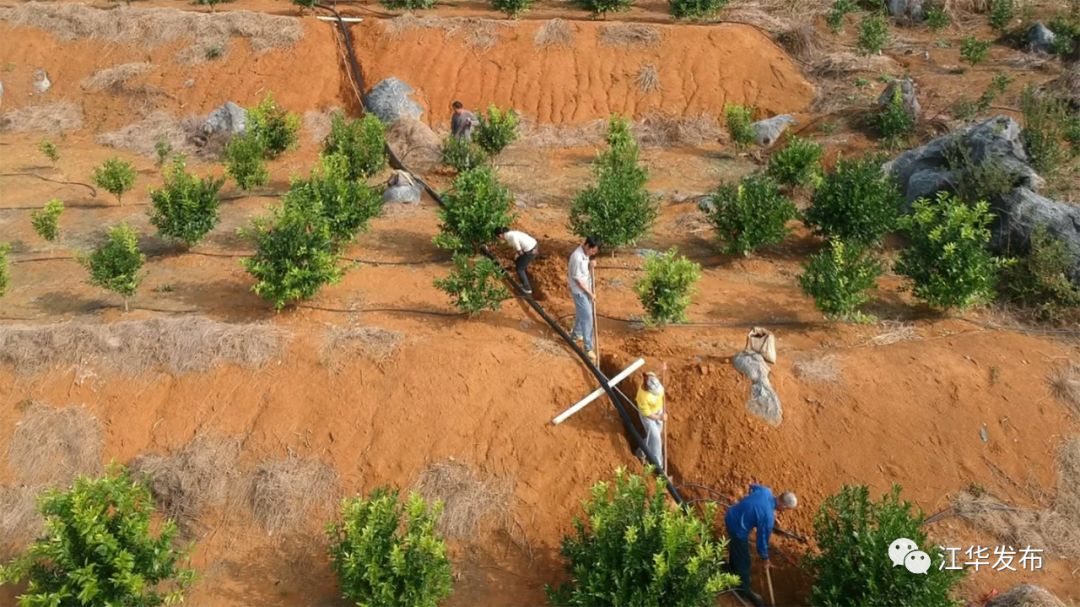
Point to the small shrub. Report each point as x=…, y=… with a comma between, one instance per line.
x=361, y=142
x=739, y=120
x=411, y=5
x=115, y=264
x=497, y=129
x=512, y=8
x=1002, y=13
x=1039, y=281
x=851, y=565
x=835, y=17
x=115, y=176
x=48, y=148
x=275, y=127
x=937, y=18
x=305, y=3
x=893, y=122
x=186, y=208
x=667, y=286
x=873, y=34
x=618, y=209
x=162, y=149
x=966, y=110
x=462, y=155
x=600, y=8
x=214, y=52
x=987, y=179
x=750, y=215
x=973, y=50
x=1045, y=118
x=245, y=161
x=838, y=279
x=798, y=163
x=476, y=205
x=211, y=3
x=346, y=204
x=1067, y=33
x=696, y=9
x=5, y=272
x=634, y=550
x=856, y=203
x=99, y=548
x=295, y=255
x=387, y=553
x=475, y=284
x=46, y=220
x=947, y=261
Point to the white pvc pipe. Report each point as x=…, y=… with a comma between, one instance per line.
x=343, y=19
x=595, y=394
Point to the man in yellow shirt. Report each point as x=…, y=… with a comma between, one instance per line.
x=650, y=403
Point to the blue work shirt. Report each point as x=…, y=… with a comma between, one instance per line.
x=757, y=510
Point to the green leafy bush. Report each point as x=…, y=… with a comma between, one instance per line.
x=475, y=284
x=512, y=8
x=5, y=272
x=388, y=554
x=497, y=129
x=411, y=5
x=476, y=205
x=634, y=550
x=618, y=209
x=600, y=8
x=852, y=566
x=838, y=279
x=835, y=17
x=893, y=122
x=738, y=119
x=873, y=34
x=937, y=18
x=1002, y=13
x=696, y=9
x=461, y=154
x=162, y=149
x=115, y=176
x=186, y=208
x=46, y=220
x=99, y=548
x=114, y=265
x=856, y=203
x=48, y=148
x=667, y=286
x=245, y=161
x=947, y=260
x=1045, y=118
x=362, y=142
x=275, y=127
x=1039, y=281
x=798, y=163
x=295, y=254
x=345, y=204
x=973, y=50
x=750, y=215
x=1066, y=33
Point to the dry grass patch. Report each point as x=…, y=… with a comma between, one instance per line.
x=803, y=42
x=821, y=369
x=179, y=345
x=292, y=494
x=317, y=123
x=648, y=79
x=893, y=332
x=844, y=63
x=562, y=136
x=554, y=33
x=478, y=34
x=1026, y=595
x=547, y=347
x=53, y=445
x=152, y=27
x=374, y=343
x=630, y=35
x=470, y=500
x=660, y=129
x=142, y=137
x=1065, y=385
x=114, y=78
x=187, y=481
x=52, y=117
x=20, y=521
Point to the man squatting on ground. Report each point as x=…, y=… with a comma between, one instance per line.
x=650, y=403
x=462, y=122
x=525, y=252
x=579, y=274
x=755, y=511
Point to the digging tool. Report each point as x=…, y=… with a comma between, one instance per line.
x=663, y=382
x=595, y=330
x=768, y=580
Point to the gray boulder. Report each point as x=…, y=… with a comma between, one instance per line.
x=911, y=9
x=1026, y=595
x=768, y=131
x=926, y=170
x=390, y=101
x=229, y=119
x=1040, y=39
x=763, y=401
x=706, y=205
x=1022, y=211
x=402, y=188
x=908, y=96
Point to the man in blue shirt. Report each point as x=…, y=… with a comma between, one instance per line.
x=755, y=511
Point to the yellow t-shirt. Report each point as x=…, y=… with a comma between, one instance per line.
x=649, y=403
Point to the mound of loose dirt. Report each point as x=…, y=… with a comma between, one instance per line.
x=52, y=117
x=142, y=137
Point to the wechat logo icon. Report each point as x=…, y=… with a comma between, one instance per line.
x=903, y=551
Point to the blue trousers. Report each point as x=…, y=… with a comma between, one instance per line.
x=583, y=319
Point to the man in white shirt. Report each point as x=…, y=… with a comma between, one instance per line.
x=525, y=252
x=579, y=275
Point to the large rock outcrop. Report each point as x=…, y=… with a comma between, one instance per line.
x=390, y=100
x=1021, y=211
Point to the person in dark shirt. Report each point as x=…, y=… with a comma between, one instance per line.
x=462, y=122
x=755, y=511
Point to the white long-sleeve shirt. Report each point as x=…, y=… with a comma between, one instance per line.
x=578, y=269
x=520, y=241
